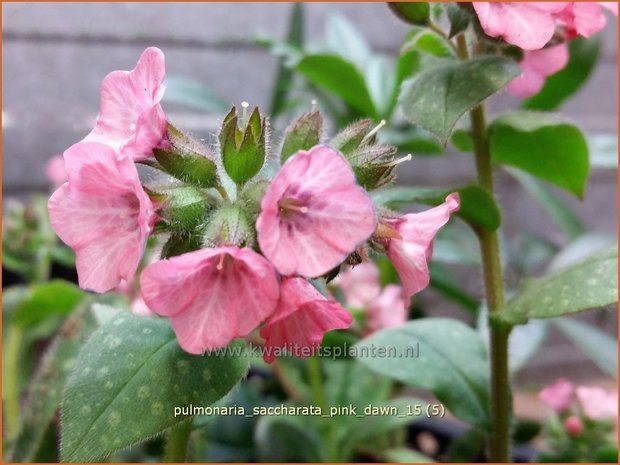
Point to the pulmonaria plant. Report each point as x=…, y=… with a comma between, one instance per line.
x=238, y=257
x=541, y=30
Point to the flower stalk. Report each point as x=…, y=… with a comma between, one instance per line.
x=177, y=443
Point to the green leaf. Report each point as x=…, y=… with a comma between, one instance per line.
x=477, y=206
x=193, y=94
x=412, y=12
x=589, y=284
x=404, y=455
x=600, y=347
x=284, y=75
x=189, y=167
x=427, y=41
x=542, y=145
x=447, y=285
x=303, y=134
x=561, y=214
x=380, y=83
x=128, y=378
x=340, y=77
x=457, y=373
x=55, y=298
x=459, y=19
x=344, y=39
x=45, y=391
x=461, y=139
x=560, y=86
x=437, y=98
x=287, y=439
x=411, y=139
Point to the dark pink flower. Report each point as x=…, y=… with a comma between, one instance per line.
x=388, y=309
x=103, y=214
x=130, y=116
x=528, y=25
x=535, y=67
x=558, y=395
x=360, y=284
x=410, y=253
x=313, y=214
x=212, y=296
x=597, y=403
x=301, y=319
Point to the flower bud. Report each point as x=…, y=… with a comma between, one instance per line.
x=573, y=426
x=243, y=144
x=183, y=208
x=229, y=226
x=303, y=134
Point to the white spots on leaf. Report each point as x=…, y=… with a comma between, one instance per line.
x=144, y=392
x=114, y=419
x=157, y=408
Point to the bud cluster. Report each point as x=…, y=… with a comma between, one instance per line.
x=241, y=248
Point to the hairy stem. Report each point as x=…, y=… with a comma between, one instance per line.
x=11, y=381
x=177, y=443
x=501, y=399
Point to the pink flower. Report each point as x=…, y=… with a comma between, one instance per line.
x=585, y=18
x=103, y=214
x=360, y=284
x=55, y=171
x=528, y=25
x=535, y=67
x=558, y=395
x=388, y=309
x=131, y=117
x=301, y=319
x=410, y=253
x=313, y=214
x=597, y=403
x=212, y=296
x=573, y=426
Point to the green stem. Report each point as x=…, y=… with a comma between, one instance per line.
x=11, y=381
x=222, y=192
x=501, y=399
x=178, y=440
x=316, y=383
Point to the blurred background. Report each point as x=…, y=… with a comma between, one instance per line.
x=56, y=54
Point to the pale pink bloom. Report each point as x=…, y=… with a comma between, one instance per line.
x=573, y=426
x=103, y=214
x=211, y=296
x=585, y=18
x=413, y=250
x=360, y=284
x=597, y=403
x=388, y=309
x=138, y=307
x=55, y=171
x=535, y=67
x=528, y=25
x=557, y=395
x=313, y=214
x=301, y=319
x=130, y=115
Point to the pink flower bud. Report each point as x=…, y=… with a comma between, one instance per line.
x=573, y=426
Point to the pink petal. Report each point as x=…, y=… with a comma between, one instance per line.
x=130, y=113
x=528, y=25
x=360, y=284
x=103, y=214
x=301, y=319
x=588, y=18
x=597, y=403
x=55, y=171
x=410, y=254
x=337, y=214
x=388, y=309
x=610, y=6
x=536, y=66
x=558, y=396
x=212, y=296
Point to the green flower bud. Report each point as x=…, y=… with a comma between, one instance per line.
x=303, y=134
x=229, y=225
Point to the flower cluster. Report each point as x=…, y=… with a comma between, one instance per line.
x=584, y=416
x=541, y=30
x=241, y=256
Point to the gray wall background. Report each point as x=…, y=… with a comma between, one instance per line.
x=56, y=54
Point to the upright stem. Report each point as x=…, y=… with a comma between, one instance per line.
x=501, y=400
x=176, y=446
x=11, y=381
